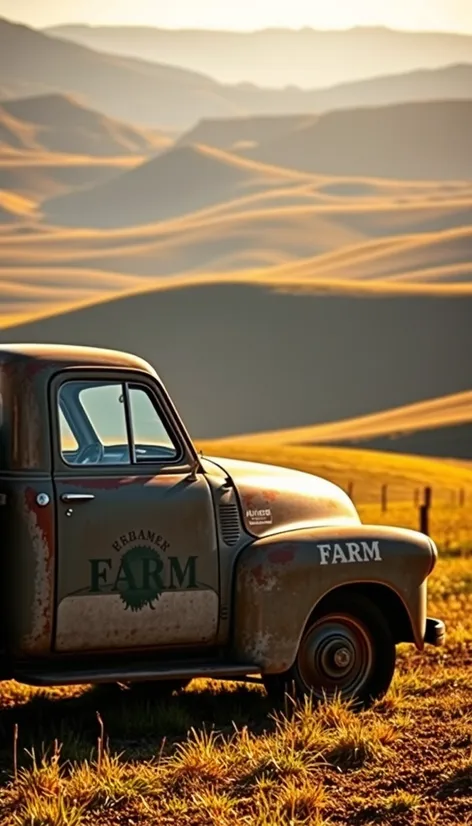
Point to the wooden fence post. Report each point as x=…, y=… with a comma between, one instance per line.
x=384, y=498
x=424, y=511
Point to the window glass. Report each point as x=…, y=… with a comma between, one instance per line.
x=150, y=436
x=105, y=408
x=93, y=427
x=68, y=441
x=97, y=422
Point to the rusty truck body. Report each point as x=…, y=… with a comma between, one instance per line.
x=129, y=557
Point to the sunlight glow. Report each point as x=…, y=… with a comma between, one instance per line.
x=453, y=15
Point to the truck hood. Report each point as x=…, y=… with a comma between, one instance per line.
x=275, y=499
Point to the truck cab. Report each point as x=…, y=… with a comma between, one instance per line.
x=128, y=557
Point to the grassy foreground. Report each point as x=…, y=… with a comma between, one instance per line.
x=219, y=754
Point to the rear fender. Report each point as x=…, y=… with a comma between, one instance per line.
x=281, y=580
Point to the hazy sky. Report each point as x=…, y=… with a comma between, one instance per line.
x=452, y=15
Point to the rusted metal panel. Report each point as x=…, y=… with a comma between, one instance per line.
x=40, y=525
x=138, y=549
x=280, y=580
x=28, y=537
x=171, y=621
x=274, y=499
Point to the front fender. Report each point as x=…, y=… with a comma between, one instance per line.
x=280, y=580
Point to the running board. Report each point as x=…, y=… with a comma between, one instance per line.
x=48, y=676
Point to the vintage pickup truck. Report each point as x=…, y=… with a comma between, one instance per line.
x=128, y=557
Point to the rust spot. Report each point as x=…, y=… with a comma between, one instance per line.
x=110, y=483
x=40, y=527
x=43, y=520
x=259, y=498
x=249, y=499
x=259, y=574
x=281, y=555
x=34, y=367
x=270, y=495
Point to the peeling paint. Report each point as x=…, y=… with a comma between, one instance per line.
x=258, y=646
x=94, y=622
x=287, y=499
x=281, y=555
x=109, y=482
x=116, y=483
x=270, y=495
x=40, y=534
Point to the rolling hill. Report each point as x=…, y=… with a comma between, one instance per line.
x=435, y=427
x=40, y=175
x=410, y=140
x=58, y=123
x=232, y=134
x=164, y=96
x=395, y=231
x=280, y=57
x=178, y=181
x=248, y=357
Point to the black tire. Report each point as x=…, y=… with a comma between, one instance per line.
x=347, y=650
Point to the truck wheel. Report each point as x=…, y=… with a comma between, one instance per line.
x=347, y=650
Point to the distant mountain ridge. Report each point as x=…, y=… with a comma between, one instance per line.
x=280, y=57
x=421, y=140
x=58, y=123
x=169, y=97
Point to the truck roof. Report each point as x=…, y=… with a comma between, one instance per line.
x=71, y=356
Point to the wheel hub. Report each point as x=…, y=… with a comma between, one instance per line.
x=336, y=656
x=342, y=657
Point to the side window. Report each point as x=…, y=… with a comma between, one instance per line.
x=69, y=444
x=105, y=410
x=110, y=423
x=150, y=436
x=95, y=415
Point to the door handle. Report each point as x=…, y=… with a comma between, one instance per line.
x=77, y=497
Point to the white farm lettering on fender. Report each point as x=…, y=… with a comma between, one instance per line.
x=332, y=553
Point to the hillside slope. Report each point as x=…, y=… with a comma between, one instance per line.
x=411, y=140
x=435, y=427
x=387, y=234
x=178, y=181
x=239, y=358
x=44, y=175
x=58, y=123
x=237, y=133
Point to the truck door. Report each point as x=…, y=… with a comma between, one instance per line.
x=136, y=538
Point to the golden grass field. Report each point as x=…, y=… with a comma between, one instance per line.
x=220, y=754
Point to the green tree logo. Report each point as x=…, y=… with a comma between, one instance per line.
x=139, y=582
